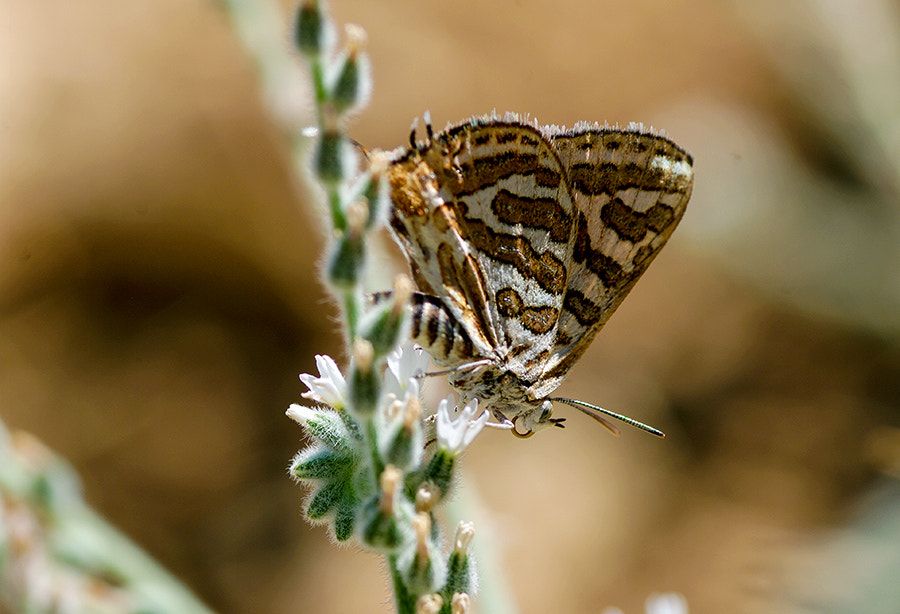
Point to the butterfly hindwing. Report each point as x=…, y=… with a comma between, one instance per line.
x=631, y=189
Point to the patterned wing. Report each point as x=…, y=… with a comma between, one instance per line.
x=485, y=217
x=442, y=267
x=630, y=188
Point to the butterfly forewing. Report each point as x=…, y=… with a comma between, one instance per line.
x=504, y=223
x=440, y=261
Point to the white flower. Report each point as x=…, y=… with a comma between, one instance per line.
x=405, y=366
x=666, y=603
x=330, y=387
x=457, y=429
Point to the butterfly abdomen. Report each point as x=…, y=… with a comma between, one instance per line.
x=436, y=331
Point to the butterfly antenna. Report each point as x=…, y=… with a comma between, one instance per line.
x=429, y=131
x=598, y=414
x=412, y=132
x=362, y=148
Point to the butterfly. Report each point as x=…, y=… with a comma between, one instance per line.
x=522, y=241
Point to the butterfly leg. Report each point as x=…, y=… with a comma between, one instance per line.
x=458, y=369
x=502, y=421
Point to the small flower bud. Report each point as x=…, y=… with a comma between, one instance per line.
x=426, y=498
x=422, y=567
x=421, y=570
x=387, y=324
x=389, y=479
x=422, y=526
x=377, y=188
x=672, y=603
x=364, y=382
x=429, y=604
x=330, y=158
x=347, y=261
x=460, y=572
x=357, y=216
x=406, y=441
x=440, y=471
x=403, y=289
x=356, y=38
x=311, y=29
x=394, y=410
x=380, y=528
x=460, y=603
x=348, y=258
x=353, y=83
x=412, y=413
x=363, y=354
x=465, y=532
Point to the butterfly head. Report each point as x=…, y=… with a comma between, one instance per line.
x=535, y=419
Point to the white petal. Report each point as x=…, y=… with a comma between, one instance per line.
x=474, y=427
x=457, y=429
x=403, y=364
x=330, y=387
x=448, y=434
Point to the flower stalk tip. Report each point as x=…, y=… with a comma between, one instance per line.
x=311, y=29
x=352, y=84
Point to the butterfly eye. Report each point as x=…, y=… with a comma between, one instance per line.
x=527, y=424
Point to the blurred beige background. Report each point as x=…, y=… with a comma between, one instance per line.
x=159, y=292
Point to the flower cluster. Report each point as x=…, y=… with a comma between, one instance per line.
x=378, y=477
